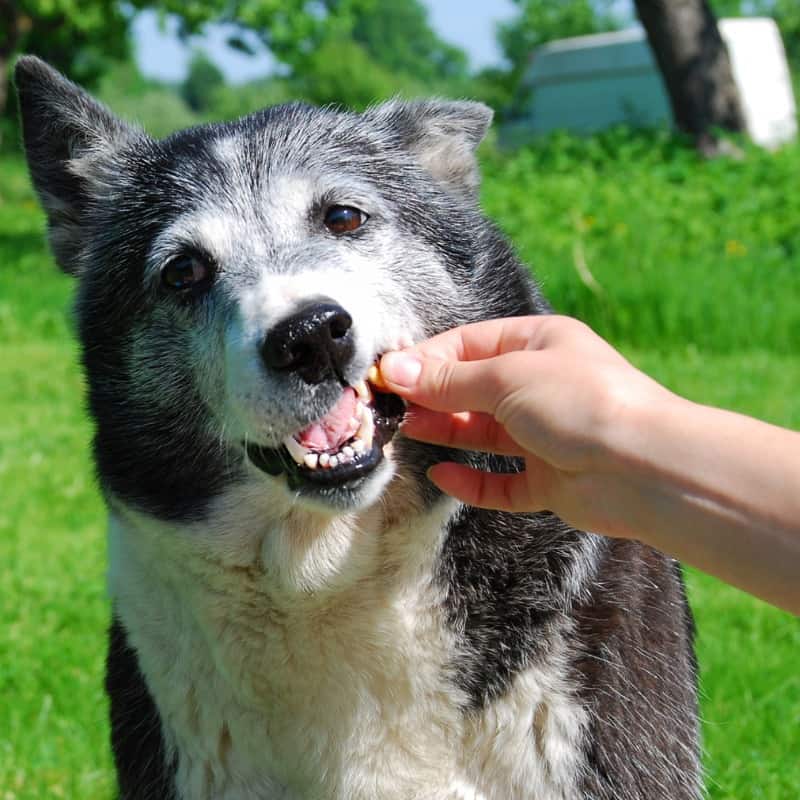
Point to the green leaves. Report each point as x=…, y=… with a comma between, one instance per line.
x=354, y=52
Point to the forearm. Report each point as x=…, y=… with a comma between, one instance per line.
x=715, y=489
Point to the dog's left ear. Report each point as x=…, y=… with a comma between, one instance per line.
x=70, y=140
x=442, y=134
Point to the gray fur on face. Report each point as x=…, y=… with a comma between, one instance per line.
x=249, y=196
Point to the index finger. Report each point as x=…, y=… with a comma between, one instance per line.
x=489, y=338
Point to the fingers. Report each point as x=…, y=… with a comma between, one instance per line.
x=494, y=337
x=476, y=366
x=454, y=385
x=481, y=339
x=467, y=431
x=500, y=491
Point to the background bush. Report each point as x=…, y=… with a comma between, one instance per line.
x=653, y=245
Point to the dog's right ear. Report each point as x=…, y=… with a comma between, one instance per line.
x=70, y=141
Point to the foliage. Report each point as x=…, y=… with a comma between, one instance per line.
x=203, y=79
x=77, y=36
x=342, y=72
x=654, y=246
x=397, y=35
x=159, y=109
x=231, y=102
x=81, y=37
x=352, y=51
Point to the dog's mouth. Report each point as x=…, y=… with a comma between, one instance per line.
x=342, y=447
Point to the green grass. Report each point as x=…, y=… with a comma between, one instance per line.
x=718, y=327
x=681, y=250
x=747, y=650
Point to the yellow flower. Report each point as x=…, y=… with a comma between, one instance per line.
x=735, y=248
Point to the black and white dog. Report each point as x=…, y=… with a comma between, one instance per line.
x=297, y=613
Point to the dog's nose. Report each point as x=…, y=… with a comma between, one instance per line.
x=316, y=342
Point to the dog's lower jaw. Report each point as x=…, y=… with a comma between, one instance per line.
x=341, y=693
x=351, y=496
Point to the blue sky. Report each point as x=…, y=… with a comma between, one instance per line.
x=466, y=23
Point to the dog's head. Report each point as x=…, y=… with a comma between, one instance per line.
x=237, y=281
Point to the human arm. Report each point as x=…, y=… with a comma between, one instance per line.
x=608, y=449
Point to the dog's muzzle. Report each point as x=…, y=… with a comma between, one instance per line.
x=316, y=343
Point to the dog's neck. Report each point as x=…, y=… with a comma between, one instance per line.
x=305, y=636
x=294, y=556
x=312, y=652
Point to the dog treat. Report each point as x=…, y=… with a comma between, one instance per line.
x=376, y=379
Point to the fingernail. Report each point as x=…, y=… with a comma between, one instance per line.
x=401, y=369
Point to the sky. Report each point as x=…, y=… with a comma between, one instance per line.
x=470, y=24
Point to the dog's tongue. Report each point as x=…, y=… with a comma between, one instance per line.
x=335, y=428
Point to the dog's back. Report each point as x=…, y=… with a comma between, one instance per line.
x=297, y=612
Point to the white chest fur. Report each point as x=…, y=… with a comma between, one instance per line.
x=334, y=691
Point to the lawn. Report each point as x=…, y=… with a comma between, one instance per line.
x=697, y=280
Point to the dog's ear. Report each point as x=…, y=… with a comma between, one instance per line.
x=70, y=141
x=442, y=134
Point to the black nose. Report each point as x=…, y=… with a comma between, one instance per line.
x=316, y=342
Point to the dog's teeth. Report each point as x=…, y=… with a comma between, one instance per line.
x=324, y=459
x=362, y=390
x=333, y=462
x=348, y=451
x=358, y=446
x=311, y=460
x=296, y=450
x=366, y=430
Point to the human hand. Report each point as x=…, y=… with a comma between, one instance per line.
x=542, y=387
x=606, y=448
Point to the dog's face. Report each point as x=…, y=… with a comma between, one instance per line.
x=238, y=281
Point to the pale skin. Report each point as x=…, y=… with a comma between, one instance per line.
x=607, y=448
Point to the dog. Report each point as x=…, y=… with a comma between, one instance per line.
x=297, y=612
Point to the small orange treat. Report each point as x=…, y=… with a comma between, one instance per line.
x=376, y=379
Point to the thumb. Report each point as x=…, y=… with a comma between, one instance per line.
x=443, y=385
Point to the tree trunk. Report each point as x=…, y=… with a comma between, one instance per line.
x=694, y=63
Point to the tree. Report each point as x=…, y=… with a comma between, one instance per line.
x=202, y=81
x=787, y=14
x=397, y=35
x=81, y=36
x=694, y=63
x=390, y=43
x=62, y=33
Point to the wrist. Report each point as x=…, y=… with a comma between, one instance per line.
x=637, y=445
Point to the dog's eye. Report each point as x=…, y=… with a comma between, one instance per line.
x=343, y=219
x=186, y=272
